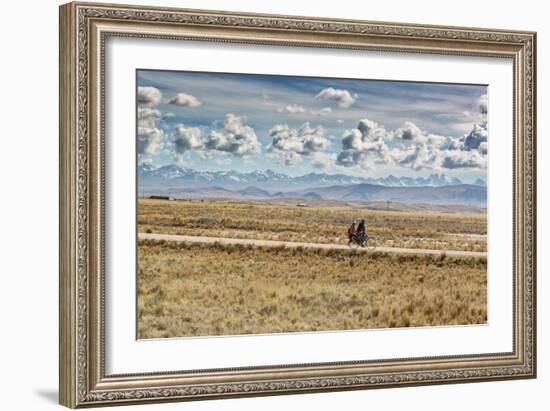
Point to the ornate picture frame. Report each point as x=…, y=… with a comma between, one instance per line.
x=84, y=29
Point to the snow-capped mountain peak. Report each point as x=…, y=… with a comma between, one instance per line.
x=271, y=179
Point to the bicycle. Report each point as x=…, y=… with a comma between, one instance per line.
x=369, y=243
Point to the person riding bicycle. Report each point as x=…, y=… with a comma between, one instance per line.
x=362, y=231
x=352, y=233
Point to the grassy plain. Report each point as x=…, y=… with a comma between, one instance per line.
x=321, y=223
x=191, y=289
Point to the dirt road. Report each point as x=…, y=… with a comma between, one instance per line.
x=272, y=243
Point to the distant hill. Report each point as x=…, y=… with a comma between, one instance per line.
x=254, y=192
x=464, y=194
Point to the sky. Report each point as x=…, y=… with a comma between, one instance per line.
x=296, y=125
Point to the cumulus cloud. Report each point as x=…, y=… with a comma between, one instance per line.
x=431, y=151
x=304, y=140
x=474, y=140
x=452, y=159
x=412, y=147
x=365, y=145
x=352, y=158
x=483, y=148
x=477, y=136
x=417, y=156
x=483, y=101
x=456, y=144
x=436, y=140
x=185, y=100
x=149, y=141
x=148, y=117
x=343, y=98
x=235, y=138
x=411, y=132
x=187, y=138
x=149, y=96
x=291, y=109
x=149, y=135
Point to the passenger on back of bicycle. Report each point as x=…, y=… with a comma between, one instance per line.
x=352, y=233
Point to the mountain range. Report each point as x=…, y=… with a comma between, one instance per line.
x=183, y=182
x=279, y=181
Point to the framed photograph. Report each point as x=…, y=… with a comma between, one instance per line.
x=259, y=204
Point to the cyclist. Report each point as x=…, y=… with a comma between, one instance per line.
x=362, y=231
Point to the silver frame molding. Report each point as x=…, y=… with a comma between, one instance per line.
x=84, y=28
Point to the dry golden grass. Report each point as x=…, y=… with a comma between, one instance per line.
x=190, y=289
x=286, y=222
